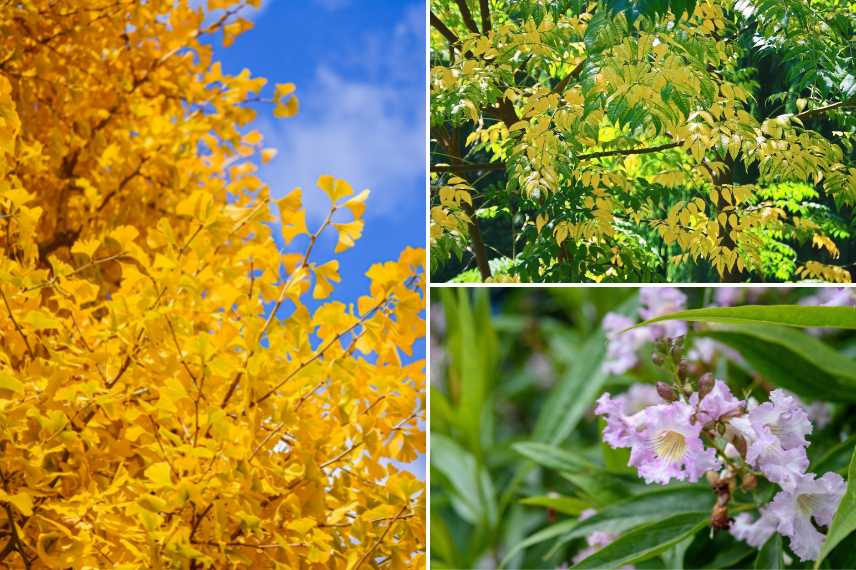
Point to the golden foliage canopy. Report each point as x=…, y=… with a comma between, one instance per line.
x=174, y=390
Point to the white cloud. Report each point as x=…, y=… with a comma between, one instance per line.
x=370, y=132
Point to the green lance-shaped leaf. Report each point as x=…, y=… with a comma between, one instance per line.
x=552, y=457
x=646, y=541
x=844, y=522
x=644, y=508
x=574, y=394
x=471, y=342
x=566, y=505
x=576, y=390
x=787, y=315
x=770, y=557
x=471, y=487
x=641, y=509
x=794, y=360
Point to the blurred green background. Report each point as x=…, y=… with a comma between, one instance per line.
x=516, y=453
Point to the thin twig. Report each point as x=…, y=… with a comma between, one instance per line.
x=377, y=542
x=17, y=326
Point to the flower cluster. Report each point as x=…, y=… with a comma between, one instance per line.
x=695, y=428
x=775, y=433
x=622, y=348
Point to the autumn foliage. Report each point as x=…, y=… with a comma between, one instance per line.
x=640, y=141
x=174, y=393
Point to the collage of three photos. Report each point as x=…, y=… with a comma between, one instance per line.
x=448, y=284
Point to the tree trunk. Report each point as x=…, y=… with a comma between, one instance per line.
x=478, y=247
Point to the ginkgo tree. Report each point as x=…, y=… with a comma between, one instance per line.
x=177, y=391
x=637, y=140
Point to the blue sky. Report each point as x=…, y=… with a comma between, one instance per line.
x=360, y=75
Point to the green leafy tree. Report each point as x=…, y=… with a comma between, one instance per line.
x=646, y=140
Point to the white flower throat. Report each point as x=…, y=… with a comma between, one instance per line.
x=807, y=503
x=670, y=446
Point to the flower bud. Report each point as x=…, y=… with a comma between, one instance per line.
x=666, y=392
x=740, y=444
x=749, y=482
x=719, y=517
x=705, y=384
x=682, y=370
x=657, y=359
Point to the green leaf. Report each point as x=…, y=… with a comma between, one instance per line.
x=674, y=557
x=601, y=487
x=472, y=350
x=541, y=536
x=844, y=521
x=574, y=394
x=730, y=556
x=576, y=391
x=552, y=457
x=566, y=505
x=646, y=541
x=789, y=315
x=644, y=508
x=770, y=556
x=794, y=360
x=836, y=457
x=442, y=545
x=471, y=486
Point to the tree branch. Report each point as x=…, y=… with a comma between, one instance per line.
x=17, y=326
x=467, y=16
x=575, y=72
x=824, y=109
x=601, y=154
x=444, y=29
x=380, y=539
x=62, y=239
x=484, y=8
x=628, y=151
x=468, y=167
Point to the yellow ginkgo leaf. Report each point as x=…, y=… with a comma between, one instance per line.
x=291, y=215
x=287, y=105
x=9, y=382
x=86, y=247
x=158, y=473
x=335, y=188
x=252, y=138
x=324, y=274
x=357, y=204
x=349, y=233
x=22, y=501
x=234, y=29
